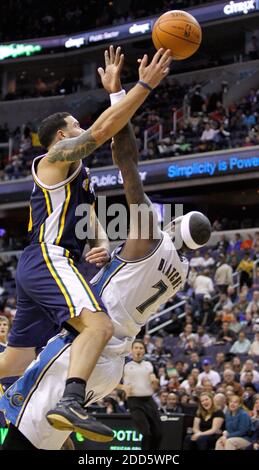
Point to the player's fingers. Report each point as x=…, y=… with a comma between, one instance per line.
x=112, y=55
x=100, y=71
x=116, y=58
x=121, y=62
x=157, y=56
x=97, y=249
x=98, y=259
x=165, y=57
x=166, y=71
x=106, y=58
x=143, y=62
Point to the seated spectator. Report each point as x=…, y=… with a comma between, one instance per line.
x=236, y=367
x=207, y=426
x=219, y=361
x=220, y=402
x=238, y=427
x=189, y=384
x=250, y=392
x=197, y=260
x=4, y=329
x=225, y=335
x=253, y=303
x=209, y=373
x=235, y=325
x=202, y=338
x=254, y=348
x=163, y=377
x=194, y=362
x=172, y=404
x=229, y=379
x=242, y=345
x=206, y=385
x=162, y=400
x=255, y=426
x=249, y=366
x=173, y=384
x=185, y=336
x=208, y=261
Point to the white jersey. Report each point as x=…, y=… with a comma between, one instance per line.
x=132, y=291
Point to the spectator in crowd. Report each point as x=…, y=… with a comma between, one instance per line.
x=207, y=426
x=238, y=427
x=209, y=373
x=222, y=244
x=220, y=402
x=203, y=285
x=225, y=335
x=162, y=400
x=223, y=275
x=254, y=348
x=242, y=345
x=249, y=367
x=224, y=301
x=245, y=268
x=4, y=329
x=250, y=392
x=229, y=379
x=202, y=338
x=172, y=404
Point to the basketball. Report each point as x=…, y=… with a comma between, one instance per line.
x=179, y=31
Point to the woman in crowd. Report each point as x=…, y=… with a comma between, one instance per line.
x=238, y=427
x=207, y=425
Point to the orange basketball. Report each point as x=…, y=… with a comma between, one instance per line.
x=179, y=31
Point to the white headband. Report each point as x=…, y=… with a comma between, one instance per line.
x=185, y=231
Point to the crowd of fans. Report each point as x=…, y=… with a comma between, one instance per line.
x=208, y=126
x=207, y=358
x=55, y=18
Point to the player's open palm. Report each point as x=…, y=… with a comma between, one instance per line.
x=158, y=68
x=110, y=77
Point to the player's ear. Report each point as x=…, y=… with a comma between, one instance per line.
x=61, y=134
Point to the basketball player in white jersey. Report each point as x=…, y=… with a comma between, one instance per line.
x=142, y=274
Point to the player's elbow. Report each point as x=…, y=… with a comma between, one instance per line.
x=102, y=133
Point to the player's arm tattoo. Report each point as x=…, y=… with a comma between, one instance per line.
x=73, y=149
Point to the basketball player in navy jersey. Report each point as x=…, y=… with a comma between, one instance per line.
x=142, y=274
x=50, y=289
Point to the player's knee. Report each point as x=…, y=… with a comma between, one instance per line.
x=4, y=366
x=105, y=329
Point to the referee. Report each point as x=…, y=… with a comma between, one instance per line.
x=139, y=383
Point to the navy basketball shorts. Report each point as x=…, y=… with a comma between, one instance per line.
x=50, y=291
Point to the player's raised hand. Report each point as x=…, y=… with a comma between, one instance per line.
x=158, y=68
x=110, y=76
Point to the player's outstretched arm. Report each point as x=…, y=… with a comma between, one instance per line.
x=116, y=117
x=144, y=232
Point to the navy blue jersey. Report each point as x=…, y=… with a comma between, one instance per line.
x=53, y=210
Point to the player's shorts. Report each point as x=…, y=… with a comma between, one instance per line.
x=50, y=291
x=27, y=401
